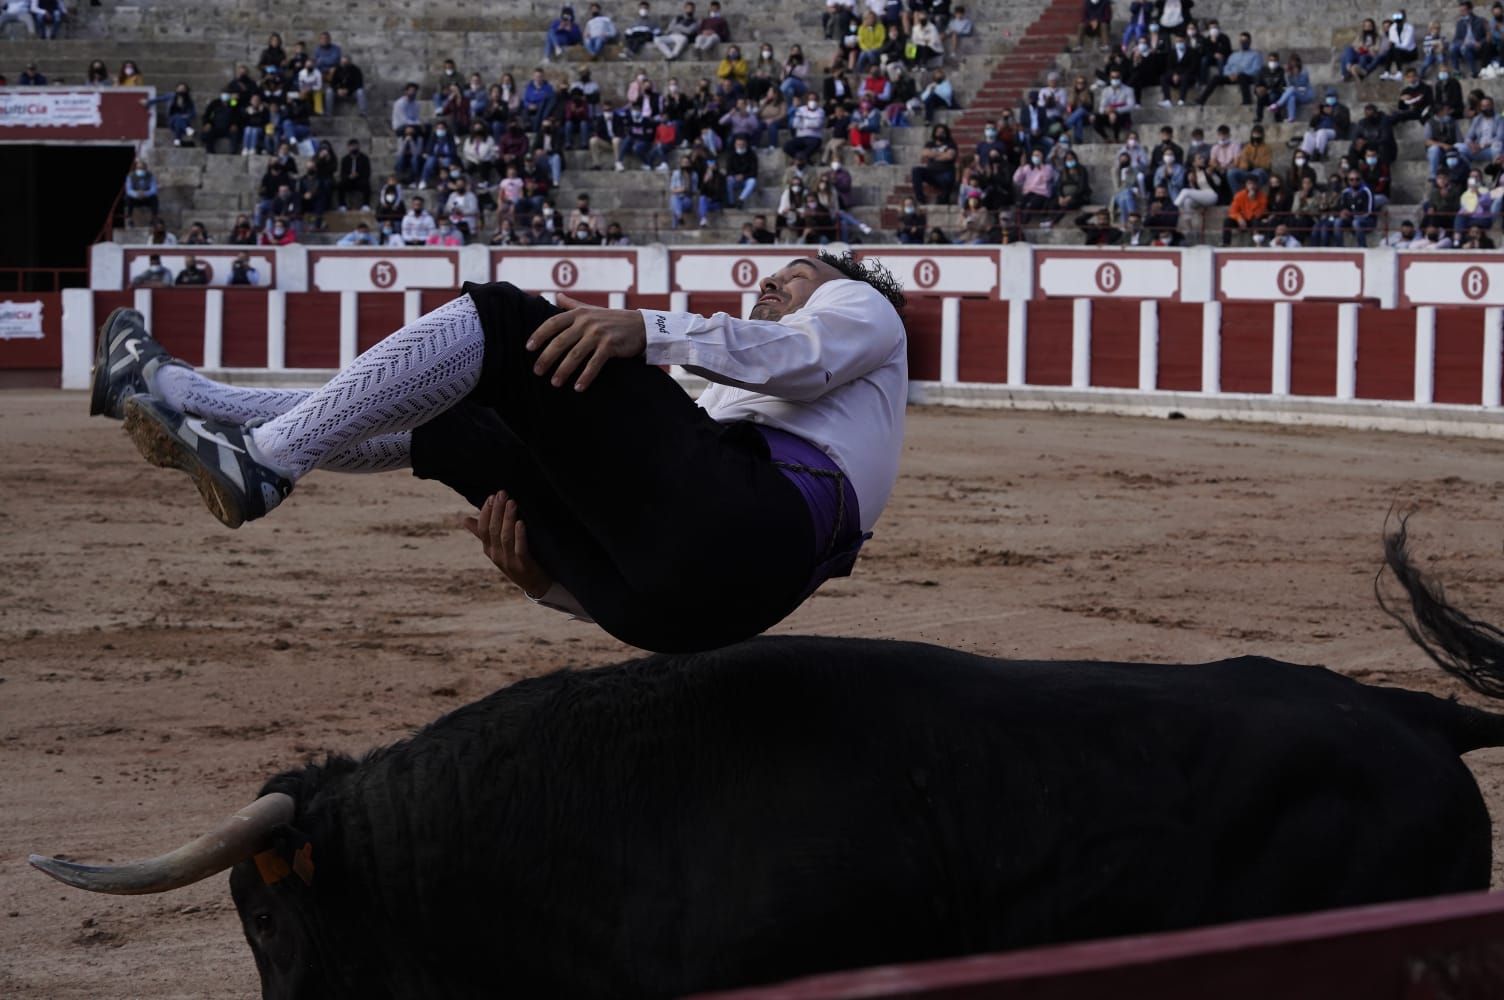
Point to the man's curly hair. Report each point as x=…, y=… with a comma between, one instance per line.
x=868, y=272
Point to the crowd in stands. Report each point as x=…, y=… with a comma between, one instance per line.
x=1026, y=167
x=487, y=158
x=484, y=160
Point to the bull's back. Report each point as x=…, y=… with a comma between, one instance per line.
x=796, y=804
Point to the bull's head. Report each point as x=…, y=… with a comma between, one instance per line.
x=267, y=877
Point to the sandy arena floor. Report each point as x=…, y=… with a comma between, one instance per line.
x=155, y=667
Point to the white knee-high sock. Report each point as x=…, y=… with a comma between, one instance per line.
x=403, y=382
x=186, y=390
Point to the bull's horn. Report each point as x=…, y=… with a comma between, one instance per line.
x=237, y=838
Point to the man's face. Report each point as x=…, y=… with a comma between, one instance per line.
x=789, y=288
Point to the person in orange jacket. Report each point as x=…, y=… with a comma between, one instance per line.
x=1248, y=206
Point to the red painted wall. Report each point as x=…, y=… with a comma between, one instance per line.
x=922, y=320
x=1114, y=343
x=243, y=341
x=377, y=316
x=313, y=330
x=177, y=320
x=1247, y=347
x=37, y=362
x=1180, y=346
x=983, y=347
x=1386, y=354
x=1313, y=349
x=1459, y=356
x=1049, y=342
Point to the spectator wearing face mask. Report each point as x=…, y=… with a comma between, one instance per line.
x=1400, y=49
x=438, y=154
x=1356, y=212
x=1414, y=103
x=1433, y=48
x=417, y=224
x=1269, y=87
x=562, y=34
x=1255, y=160
x=1034, y=181
x=1182, y=71
x=242, y=233
x=279, y=234
x=1332, y=120
x=1484, y=142
x=808, y=122
x=140, y=192
x=640, y=32
x=1469, y=39
x=1241, y=68
x=346, y=82
x=1248, y=206
x=243, y=272
x=1474, y=204
x=180, y=112
x=220, y=122
x=192, y=273
x=672, y=41
x=1442, y=136
x=713, y=30
x=1115, y=106
x=155, y=275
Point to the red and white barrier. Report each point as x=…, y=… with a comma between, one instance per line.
x=1368, y=338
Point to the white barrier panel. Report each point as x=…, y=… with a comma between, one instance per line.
x=1451, y=280
x=1270, y=276
x=216, y=261
x=1135, y=274
x=575, y=270
x=736, y=269
x=368, y=269
x=946, y=272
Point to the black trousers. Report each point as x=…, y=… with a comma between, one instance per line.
x=675, y=532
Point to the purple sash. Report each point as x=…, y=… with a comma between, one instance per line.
x=831, y=500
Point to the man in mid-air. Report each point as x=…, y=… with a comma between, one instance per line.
x=603, y=489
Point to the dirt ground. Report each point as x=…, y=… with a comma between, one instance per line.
x=155, y=667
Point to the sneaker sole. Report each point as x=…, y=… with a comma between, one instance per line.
x=99, y=378
x=164, y=449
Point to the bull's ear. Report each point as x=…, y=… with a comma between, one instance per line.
x=290, y=853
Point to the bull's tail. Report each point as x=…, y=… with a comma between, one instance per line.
x=1468, y=649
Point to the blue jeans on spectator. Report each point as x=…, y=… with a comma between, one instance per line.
x=1434, y=156
x=408, y=165
x=594, y=45
x=1485, y=220
x=845, y=223
x=679, y=204
x=1360, y=225
x=555, y=167
x=553, y=45
x=793, y=88
x=1487, y=154
x=180, y=124
x=1432, y=59
x=292, y=132
x=48, y=23
x=738, y=194
x=1236, y=177
x=431, y=165
x=1289, y=102
x=253, y=139
x=643, y=149
x=577, y=134
x=1351, y=58
x=1125, y=202
x=770, y=133
x=708, y=205
x=1459, y=51
x=1077, y=121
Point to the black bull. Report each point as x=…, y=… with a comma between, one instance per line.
x=794, y=805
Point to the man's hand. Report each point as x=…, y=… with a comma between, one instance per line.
x=504, y=540
x=588, y=335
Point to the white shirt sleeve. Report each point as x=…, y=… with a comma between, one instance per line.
x=559, y=599
x=835, y=338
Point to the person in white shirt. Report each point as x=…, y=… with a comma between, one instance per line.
x=1400, y=49
x=602, y=488
x=600, y=31
x=417, y=224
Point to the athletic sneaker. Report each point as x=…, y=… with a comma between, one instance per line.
x=125, y=358
x=219, y=457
